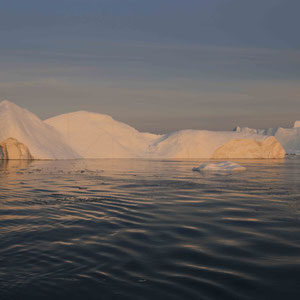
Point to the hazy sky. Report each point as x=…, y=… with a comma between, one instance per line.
x=157, y=65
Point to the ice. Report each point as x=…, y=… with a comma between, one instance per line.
x=91, y=135
x=94, y=135
x=297, y=124
x=289, y=138
x=100, y=136
x=223, y=167
x=43, y=141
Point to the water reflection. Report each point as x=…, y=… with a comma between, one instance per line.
x=140, y=229
x=12, y=166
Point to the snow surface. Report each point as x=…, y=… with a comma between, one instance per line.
x=90, y=135
x=205, y=144
x=100, y=136
x=223, y=166
x=94, y=135
x=289, y=138
x=43, y=141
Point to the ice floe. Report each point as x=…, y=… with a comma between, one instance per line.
x=223, y=166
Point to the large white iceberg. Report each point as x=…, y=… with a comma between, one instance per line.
x=98, y=136
x=91, y=135
x=95, y=135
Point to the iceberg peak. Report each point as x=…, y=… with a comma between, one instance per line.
x=6, y=102
x=9, y=106
x=27, y=129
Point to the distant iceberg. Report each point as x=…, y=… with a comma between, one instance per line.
x=223, y=166
x=90, y=135
x=289, y=138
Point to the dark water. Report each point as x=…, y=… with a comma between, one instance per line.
x=138, y=229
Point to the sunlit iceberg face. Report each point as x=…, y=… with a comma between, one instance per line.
x=297, y=124
x=289, y=138
x=91, y=135
x=43, y=141
x=12, y=149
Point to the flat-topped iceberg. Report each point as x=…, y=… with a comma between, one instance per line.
x=223, y=166
x=91, y=135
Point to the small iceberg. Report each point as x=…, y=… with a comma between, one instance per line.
x=223, y=166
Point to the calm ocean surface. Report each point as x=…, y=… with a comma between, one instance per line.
x=140, y=229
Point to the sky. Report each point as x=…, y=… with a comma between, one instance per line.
x=158, y=65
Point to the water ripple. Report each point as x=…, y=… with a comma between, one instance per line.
x=139, y=229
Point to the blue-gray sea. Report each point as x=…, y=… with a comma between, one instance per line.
x=149, y=229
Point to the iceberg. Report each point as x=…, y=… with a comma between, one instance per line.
x=12, y=149
x=94, y=135
x=250, y=148
x=297, y=124
x=42, y=141
x=222, y=167
x=289, y=138
x=91, y=135
x=215, y=144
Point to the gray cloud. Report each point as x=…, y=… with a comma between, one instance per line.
x=159, y=65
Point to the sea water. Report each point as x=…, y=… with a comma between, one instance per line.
x=149, y=229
